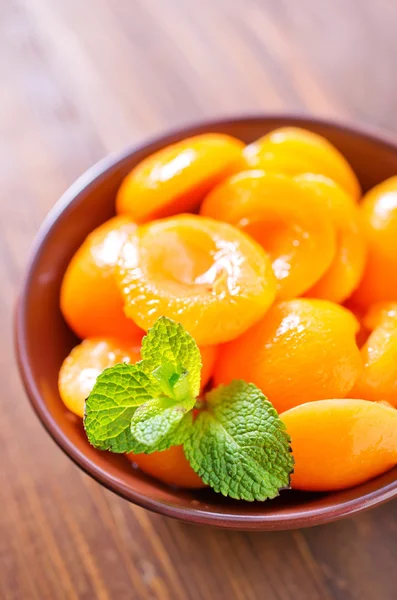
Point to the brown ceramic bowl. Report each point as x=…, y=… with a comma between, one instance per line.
x=43, y=339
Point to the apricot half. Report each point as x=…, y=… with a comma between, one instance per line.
x=207, y=275
x=292, y=150
x=337, y=444
x=286, y=218
x=176, y=178
x=170, y=466
x=346, y=269
x=302, y=350
x=379, y=214
x=85, y=362
x=90, y=299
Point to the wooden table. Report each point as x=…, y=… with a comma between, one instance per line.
x=80, y=79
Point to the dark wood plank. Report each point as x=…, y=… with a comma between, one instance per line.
x=80, y=80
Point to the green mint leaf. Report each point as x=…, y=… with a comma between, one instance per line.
x=160, y=424
x=171, y=380
x=239, y=445
x=117, y=393
x=168, y=342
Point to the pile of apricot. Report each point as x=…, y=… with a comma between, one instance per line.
x=283, y=273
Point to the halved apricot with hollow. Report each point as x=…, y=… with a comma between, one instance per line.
x=337, y=444
x=379, y=214
x=286, y=218
x=170, y=466
x=207, y=275
x=85, y=362
x=90, y=299
x=302, y=350
x=176, y=178
x=292, y=150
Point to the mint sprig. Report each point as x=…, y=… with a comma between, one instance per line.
x=238, y=444
x=142, y=407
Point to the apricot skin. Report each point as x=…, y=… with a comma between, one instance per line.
x=379, y=216
x=340, y=443
x=302, y=350
x=293, y=151
x=170, y=466
x=176, y=178
x=85, y=362
x=90, y=300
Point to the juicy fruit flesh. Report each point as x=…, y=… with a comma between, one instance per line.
x=183, y=259
x=91, y=274
x=176, y=178
x=158, y=275
x=340, y=443
x=298, y=235
x=280, y=240
x=302, y=350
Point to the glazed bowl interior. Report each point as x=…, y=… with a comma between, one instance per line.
x=43, y=339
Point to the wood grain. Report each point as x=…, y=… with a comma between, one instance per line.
x=80, y=80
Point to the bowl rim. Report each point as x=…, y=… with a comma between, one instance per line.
x=190, y=514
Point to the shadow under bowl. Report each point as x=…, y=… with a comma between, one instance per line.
x=43, y=339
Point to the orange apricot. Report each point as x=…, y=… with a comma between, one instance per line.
x=346, y=269
x=90, y=299
x=379, y=214
x=85, y=362
x=292, y=150
x=286, y=218
x=302, y=350
x=170, y=466
x=176, y=178
x=378, y=380
x=207, y=275
x=340, y=443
